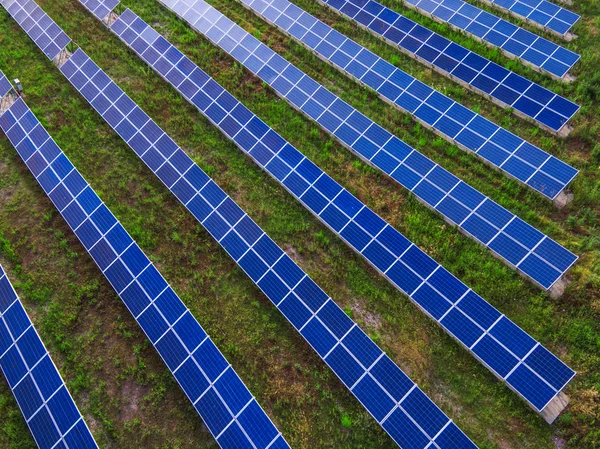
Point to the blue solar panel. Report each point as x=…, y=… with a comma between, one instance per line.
x=546, y=15
x=471, y=211
x=515, y=42
x=100, y=8
x=36, y=23
x=527, y=99
x=387, y=249
x=47, y=406
x=5, y=86
x=169, y=325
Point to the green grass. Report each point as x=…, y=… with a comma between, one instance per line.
x=127, y=395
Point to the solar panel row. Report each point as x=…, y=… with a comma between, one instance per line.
x=469, y=130
x=432, y=288
x=385, y=391
x=519, y=244
x=528, y=99
x=100, y=8
x=227, y=407
x=545, y=14
x=45, y=402
x=40, y=28
x=516, y=42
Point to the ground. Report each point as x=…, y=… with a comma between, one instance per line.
x=127, y=395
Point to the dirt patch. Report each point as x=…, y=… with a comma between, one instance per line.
x=83, y=402
x=275, y=39
x=92, y=423
x=294, y=254
x=288, y=382
x=132, y=395
x=559, y=443
x=6, y=192
x=412, y=357
x=410, y=353
x=359, y=311
x=579, y=148
x=445, y=398
x=585, y=402
x=503, y=444
x=7, y=189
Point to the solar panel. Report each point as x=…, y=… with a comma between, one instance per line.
x=362, y=229
x=385, y=391
x=515, y=42
x=519, y=244
x=546, y=15
x=38, y=26
x=45, y=402
x=449, y=119
x=344, y=347
x=225, y=404
x=5, y=86
x=100, y=8
x=528, y=100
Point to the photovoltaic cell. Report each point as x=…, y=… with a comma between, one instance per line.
x=47, y=406
x=167, y=323
x=470, y=210
x=5, y=86
x=542, y=13
x=38, y=26
x=528, y=99
x=514, y=41
x=383, y=246
x=100, y=8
